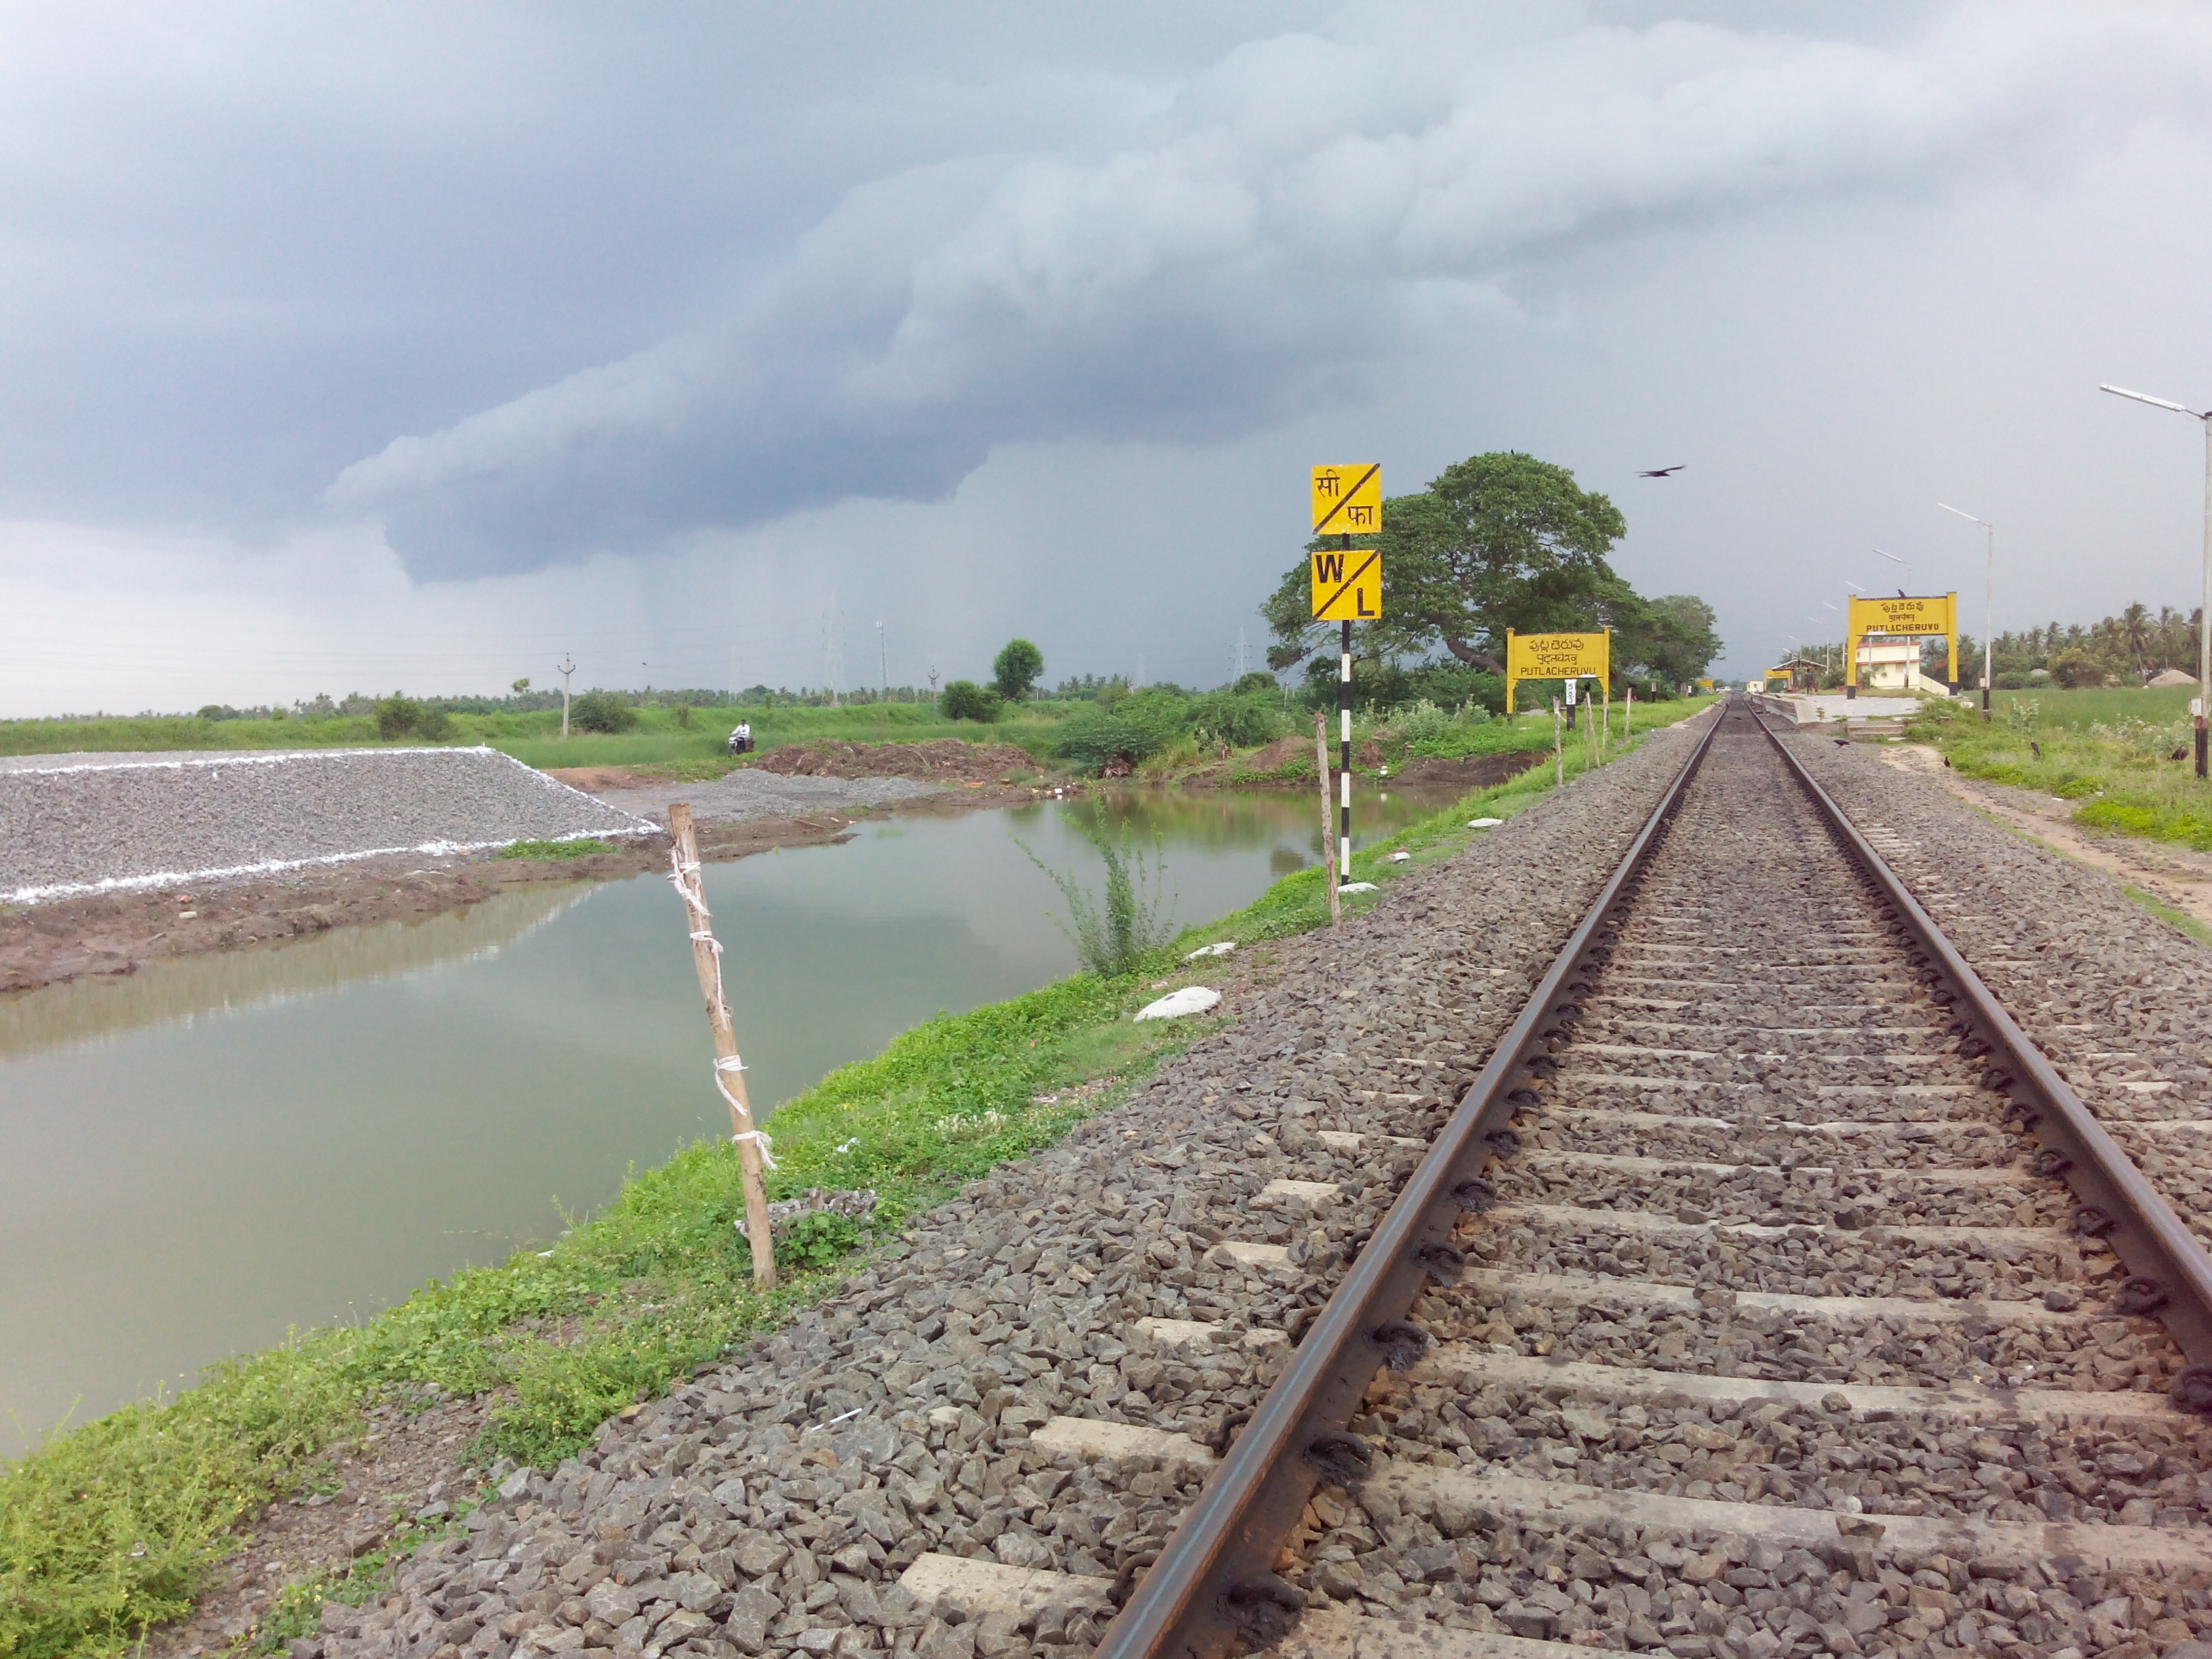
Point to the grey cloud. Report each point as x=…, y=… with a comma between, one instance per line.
x=1308, y=211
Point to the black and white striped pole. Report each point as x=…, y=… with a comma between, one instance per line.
x=1344, y=765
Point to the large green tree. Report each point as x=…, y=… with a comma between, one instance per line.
x=1015, y=670
x=1672, y=638
x=1499, y=541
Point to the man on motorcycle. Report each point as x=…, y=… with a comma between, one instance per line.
x=741, y=738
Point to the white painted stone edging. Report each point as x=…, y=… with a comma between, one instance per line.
x=1220, y=950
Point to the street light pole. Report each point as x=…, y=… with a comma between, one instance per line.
x=1989, y=605
x=2198, y=706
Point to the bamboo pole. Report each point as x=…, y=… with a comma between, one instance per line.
x=1327, y=824
x=753, y=1154
x=1559, y=743
x=1605, y=739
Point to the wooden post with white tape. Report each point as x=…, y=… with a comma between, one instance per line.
x=753, y=1156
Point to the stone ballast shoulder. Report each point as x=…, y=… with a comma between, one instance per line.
x=769, y=1505
x=2115, y=998
x=95, y=824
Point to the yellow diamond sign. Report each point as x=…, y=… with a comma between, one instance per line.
x=1347, y=586
x=1348, y=501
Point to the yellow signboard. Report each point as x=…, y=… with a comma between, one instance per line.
x=1927, y=615
x=1555, y=657
x=1348, y=501
x=1347, y=586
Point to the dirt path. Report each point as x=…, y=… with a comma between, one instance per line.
x=2176, y=876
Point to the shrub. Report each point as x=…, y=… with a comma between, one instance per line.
x=397, y=717
x=1421, y=722
x=1244, y=721
x=1258, y=682
x=2075, y=668
x=601, y=711
x=434, y=725
x=1141, y=724
x=965, y=700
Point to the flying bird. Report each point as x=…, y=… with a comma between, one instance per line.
x=1662, y=472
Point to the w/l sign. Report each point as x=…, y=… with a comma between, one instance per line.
x=1348, y=501
x=1347, y=586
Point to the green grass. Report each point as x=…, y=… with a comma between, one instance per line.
x=555, y=849
x=2173, y=918
x=535, y=738
x=2110, y=748
x=115, y=1525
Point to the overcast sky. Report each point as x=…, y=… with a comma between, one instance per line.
x=408, y=346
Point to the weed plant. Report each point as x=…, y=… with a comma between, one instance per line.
x=555, y=849
x=1113, y=936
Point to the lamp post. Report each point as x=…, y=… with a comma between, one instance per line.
x=1989, y=605
x=2197, y=705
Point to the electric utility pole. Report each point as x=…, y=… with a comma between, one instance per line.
x=567, y=667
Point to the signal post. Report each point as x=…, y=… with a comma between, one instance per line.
x=1347, y=586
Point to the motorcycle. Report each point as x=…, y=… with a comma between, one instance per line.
x=741, y=742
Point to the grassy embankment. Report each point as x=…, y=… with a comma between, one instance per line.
x=660, y=739
x=2112, y=750
x=664, y=740
x=115, y=1525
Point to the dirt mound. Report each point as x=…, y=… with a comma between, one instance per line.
x=1474, y=772
x=597, y=780
x=1284, y=751
x=941, y=759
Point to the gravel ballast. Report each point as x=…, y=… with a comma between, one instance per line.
x=769, y=1505
x=2114, y=997
x=86, y=823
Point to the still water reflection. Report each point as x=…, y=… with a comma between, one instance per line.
x=199, y=1157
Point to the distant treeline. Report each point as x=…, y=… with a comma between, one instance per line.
x=1086, y=688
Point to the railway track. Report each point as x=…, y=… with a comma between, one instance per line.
x=1766, y=1295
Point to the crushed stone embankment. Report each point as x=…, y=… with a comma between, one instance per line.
x=81, y=823
x=770, y=1505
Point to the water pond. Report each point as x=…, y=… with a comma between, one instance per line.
x=201, y=1156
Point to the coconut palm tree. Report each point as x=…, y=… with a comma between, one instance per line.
x=2135, y=634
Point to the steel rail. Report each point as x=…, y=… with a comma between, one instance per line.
x=1213, y=1589
x=2170, y=1273
x=1214, y=1585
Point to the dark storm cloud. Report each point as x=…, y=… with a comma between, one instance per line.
x=1310, y=210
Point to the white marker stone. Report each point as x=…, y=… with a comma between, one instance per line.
x=1359, y=887
x=1398, y=857
x=1220, y=950
x=1483, y=824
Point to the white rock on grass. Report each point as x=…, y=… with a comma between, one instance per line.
x=1220, y=950
x=1483, y=824
x=1358, y=887
x=1191, y=1000
x=1397, y=858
